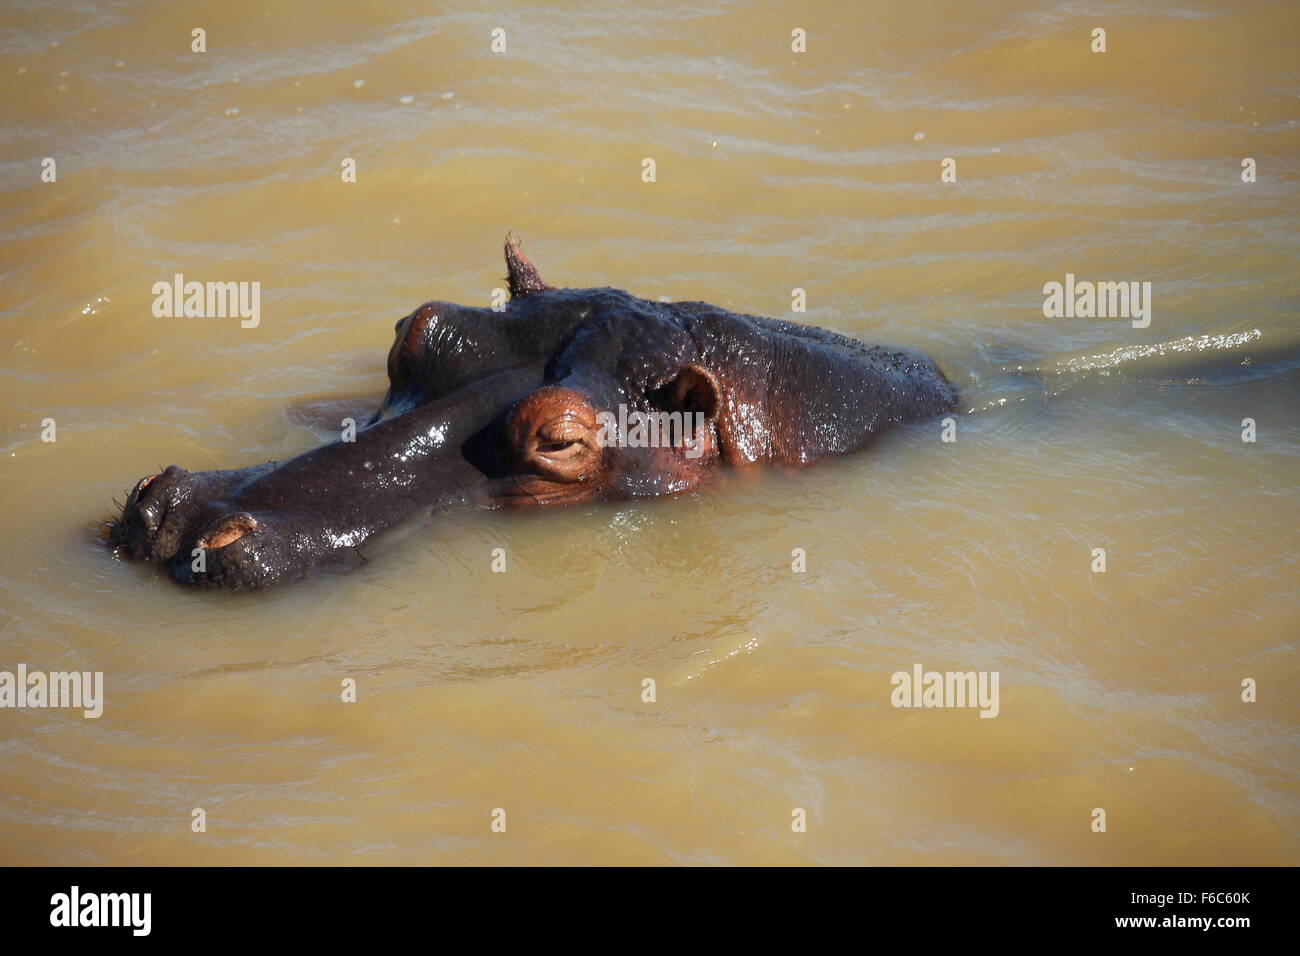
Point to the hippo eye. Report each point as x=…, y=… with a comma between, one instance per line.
x=552, y=433
x=561, y=440
x=560, y=449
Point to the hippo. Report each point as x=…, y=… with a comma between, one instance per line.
x=527, y=406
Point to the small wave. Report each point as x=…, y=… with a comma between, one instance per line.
x=1217, y=358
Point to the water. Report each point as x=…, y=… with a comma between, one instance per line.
x=775, y=171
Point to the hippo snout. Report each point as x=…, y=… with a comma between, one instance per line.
x=157, y=516
x=182, y=518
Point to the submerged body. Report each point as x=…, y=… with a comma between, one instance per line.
x=513, y=409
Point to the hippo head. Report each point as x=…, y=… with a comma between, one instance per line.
x=561, y=397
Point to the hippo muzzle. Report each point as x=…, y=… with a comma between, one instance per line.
x=254, y=527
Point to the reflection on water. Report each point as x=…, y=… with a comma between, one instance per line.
x=775, y=171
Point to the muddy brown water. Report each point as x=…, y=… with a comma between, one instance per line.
x=774, y=171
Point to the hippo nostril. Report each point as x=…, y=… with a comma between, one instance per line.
x=148, y=503
x=150, y=515
x=155, y=516
x=136, y=494
x=227, y=531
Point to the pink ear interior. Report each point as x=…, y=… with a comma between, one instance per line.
x=695, y=389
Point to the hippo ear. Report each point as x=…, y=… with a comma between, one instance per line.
x=693, y=389
x=522, y=274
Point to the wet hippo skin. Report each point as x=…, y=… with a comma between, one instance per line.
x=516, y=409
